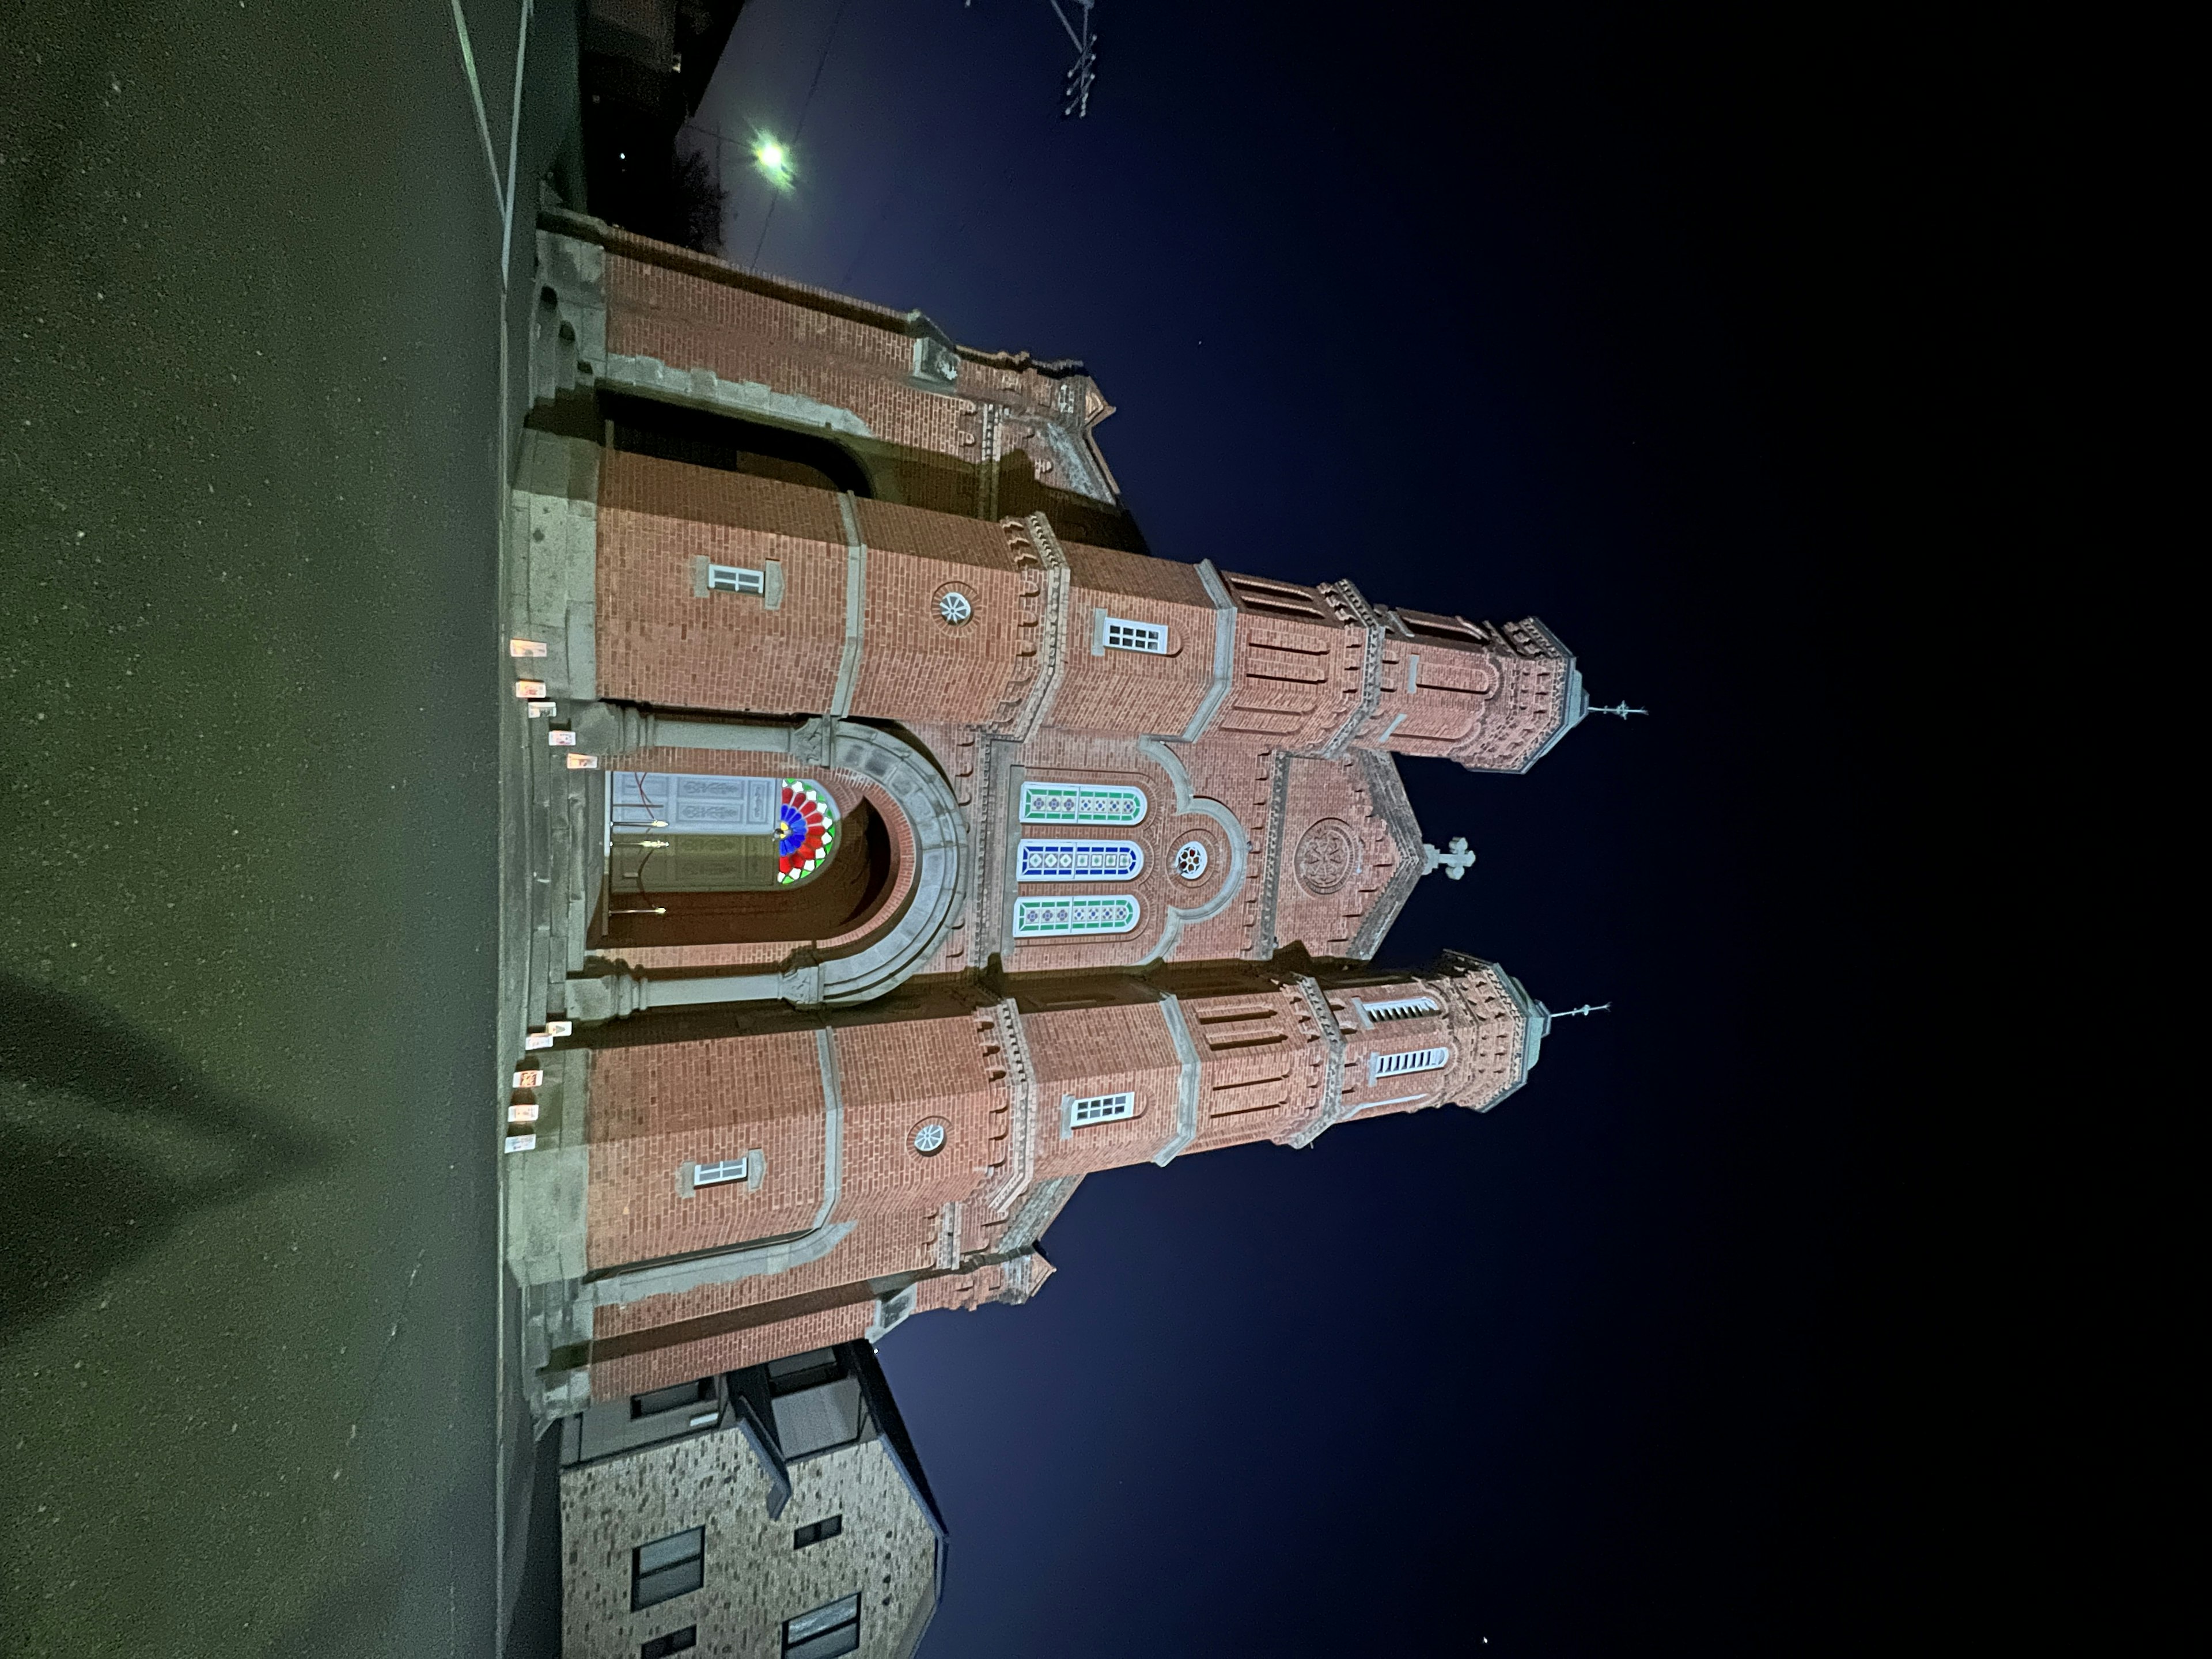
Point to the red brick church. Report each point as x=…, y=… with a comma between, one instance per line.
x=902, y=841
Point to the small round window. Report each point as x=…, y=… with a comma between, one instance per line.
x=1190, y=859
x=955, y=606
x=929, y=1138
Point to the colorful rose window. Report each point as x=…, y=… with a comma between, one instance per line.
x=808, y=831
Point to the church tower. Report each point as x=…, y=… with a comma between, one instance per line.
x=907, y=841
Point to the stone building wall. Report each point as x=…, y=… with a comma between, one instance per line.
x=754, y=1579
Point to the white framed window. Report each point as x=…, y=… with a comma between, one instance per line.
x=1110, y=633
x=712, y=1174
x=735, y=579
x=1401, y=1008
x=1101, y=1108
x=1410, y=1060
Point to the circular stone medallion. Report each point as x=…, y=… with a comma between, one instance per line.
x=929, y=1137
x=1190, y=859
x=1326, y=857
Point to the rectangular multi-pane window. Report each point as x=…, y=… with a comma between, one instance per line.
x=735, y=579
x=667, y=1568
x=1122, y=635
x=1101, y=1109
x=676, y=1641
x=815, y=1531
x=1411, y=1060
x=1402, y=1008
x=825, y=1632
x=708, y=1174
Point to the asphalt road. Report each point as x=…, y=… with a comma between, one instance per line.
x=250, y=313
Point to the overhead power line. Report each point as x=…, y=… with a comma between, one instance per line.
x=1075, y=100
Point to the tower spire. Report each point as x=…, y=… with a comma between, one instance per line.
x=1587, y=1008
x=1618, y=710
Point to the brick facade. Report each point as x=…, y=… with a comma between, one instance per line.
x=974, y=602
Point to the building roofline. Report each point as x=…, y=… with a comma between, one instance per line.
x=1576, y=702
x=891, y=1426
x=916, y=324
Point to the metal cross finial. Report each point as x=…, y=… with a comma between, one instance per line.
x=1618, y=710
x=1454, y=863
x=1587, y=1008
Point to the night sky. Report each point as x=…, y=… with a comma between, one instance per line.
x=1553, y=310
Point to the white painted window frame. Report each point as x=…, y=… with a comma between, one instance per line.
x=736, y=578
x=1081, y=1111
x=745, y=1172
x=1112, y=633
x=764, y=581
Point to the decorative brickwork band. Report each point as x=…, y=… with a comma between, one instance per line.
x=1279, y=793
x=1238, y=840
x=1350, y=599
x=1332, y=1034
x=1044, y=1202
x=1224, y=653
x=1031, y=540
x=1186, y=1129
x=1021, y=1110
x=1386, y=791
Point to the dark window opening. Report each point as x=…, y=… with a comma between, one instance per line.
x=825, y=1634
x=671, y=1400
x=696, y=437
x=1268, y=596
x=804, y=1371
x=1424, y=624
x=667, y=1568
x=815, y=1531
x=816, y=1403
x=676, y=1641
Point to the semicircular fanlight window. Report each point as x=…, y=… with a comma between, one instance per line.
x=806, y=830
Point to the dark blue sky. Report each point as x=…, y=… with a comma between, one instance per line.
x=1560, y=311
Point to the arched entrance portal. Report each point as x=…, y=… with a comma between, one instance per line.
x=712, y=859
x=894, y=876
